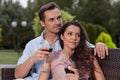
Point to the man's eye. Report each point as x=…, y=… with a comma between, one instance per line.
x=59, y=18
x=51, y=19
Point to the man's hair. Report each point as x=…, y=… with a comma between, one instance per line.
x=49, y=6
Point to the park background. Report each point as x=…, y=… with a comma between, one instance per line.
x=19, y=24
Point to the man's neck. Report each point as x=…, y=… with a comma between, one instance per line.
x=50, y=37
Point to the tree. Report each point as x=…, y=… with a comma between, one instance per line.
x=97, y=14
x=62, y=3
x=0, y=37
x=14, y=12
x=114, y=23
x=93, y=30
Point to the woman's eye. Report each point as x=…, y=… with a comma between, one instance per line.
x=78, y=35
x=69, y=34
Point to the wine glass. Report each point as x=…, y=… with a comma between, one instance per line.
x=45, y=62
x=69, y=63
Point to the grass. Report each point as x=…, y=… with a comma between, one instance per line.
x=8, y=57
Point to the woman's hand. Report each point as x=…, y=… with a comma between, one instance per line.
x=72, y=76
x=45, y=71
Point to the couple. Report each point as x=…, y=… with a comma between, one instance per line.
x=30, y=63
x=75, y=55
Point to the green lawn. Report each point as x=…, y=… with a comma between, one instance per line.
x=8, y=57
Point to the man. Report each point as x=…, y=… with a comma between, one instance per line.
x=29, y=64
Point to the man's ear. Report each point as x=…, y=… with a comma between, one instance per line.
x=42, y=23
x=61, y=36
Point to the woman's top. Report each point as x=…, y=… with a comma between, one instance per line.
x=59, y=62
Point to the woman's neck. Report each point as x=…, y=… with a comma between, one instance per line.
x=68, y=52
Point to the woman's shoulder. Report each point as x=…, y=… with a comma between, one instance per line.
x=57, y=54
x=57, y=59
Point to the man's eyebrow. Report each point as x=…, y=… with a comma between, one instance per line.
x=59, y=16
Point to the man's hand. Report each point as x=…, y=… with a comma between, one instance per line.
x=101, y=50
x=41, y=54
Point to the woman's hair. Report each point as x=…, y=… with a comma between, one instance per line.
x=82, y=56
x=49, y=6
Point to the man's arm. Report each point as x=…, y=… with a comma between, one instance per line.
x=23, y=69
x=100, y=49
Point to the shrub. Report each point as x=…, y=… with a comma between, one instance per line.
x=106, y=39
x=93, y=30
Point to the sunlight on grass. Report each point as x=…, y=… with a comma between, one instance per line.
x=9, y=58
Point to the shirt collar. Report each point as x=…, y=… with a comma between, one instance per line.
x=42, y=37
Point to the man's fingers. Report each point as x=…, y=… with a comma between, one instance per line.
x=106, y=50
x=101, y=50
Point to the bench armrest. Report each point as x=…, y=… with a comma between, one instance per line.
x=8, y=73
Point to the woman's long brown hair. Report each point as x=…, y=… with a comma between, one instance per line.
x=82, y=56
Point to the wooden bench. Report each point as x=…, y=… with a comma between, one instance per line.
x=110, y=66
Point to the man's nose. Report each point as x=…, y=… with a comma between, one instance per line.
x=57, y=21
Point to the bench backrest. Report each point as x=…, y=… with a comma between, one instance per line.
x=111, y=65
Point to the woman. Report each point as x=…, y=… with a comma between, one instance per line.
x=75, y=55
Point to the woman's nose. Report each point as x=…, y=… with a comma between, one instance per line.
x=74, y=37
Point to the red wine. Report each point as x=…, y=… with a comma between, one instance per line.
x=68, y=71
x=50, y=50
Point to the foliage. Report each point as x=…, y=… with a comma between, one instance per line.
x=9, y=12
x=0, y=34
x=97, y=14
x=107, y=39
x=66, y=16
x=38, y=28
x=62, y=3
x=0, y=37
x=114, y=23
x=93, y=30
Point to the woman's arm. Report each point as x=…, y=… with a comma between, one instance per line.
x=45, y=72
x=98, y=72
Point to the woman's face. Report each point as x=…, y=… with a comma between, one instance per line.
x=71, y=37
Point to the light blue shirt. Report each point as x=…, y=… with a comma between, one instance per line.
x=31, y=48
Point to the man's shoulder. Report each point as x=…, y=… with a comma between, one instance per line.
x=35, y=40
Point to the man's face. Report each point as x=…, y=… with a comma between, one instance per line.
x=53, y=21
